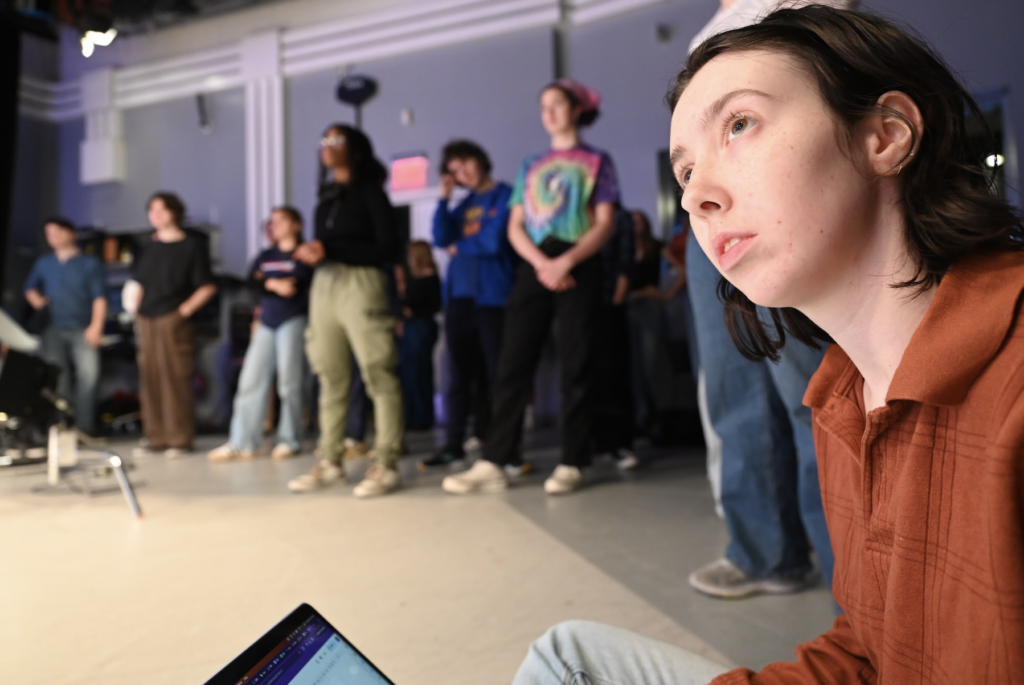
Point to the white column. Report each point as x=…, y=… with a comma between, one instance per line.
x=101, y=158
x=264, y=133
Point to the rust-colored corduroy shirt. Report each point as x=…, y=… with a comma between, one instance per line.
x=924, y=499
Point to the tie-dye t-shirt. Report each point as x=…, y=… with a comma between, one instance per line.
x=556, y=188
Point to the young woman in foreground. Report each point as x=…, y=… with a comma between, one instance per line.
x=827, y=171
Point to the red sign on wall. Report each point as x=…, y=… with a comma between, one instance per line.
x=409, y=173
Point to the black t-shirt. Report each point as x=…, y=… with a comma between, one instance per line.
x=170, y=272
x=647, y=272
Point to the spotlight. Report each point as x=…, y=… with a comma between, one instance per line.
x=993, y=161
x=102, y=39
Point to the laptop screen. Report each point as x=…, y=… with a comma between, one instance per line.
x=313, y=654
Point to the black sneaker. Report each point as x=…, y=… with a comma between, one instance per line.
x=452, y=459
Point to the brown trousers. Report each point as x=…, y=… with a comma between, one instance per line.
x=166, y=353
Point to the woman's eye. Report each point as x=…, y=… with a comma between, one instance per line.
x=738, y=127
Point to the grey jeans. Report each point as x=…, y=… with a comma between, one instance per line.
x=587, y=653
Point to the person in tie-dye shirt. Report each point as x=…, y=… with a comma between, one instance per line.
x=562, y=210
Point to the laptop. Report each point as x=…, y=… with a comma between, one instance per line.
x=303, y=649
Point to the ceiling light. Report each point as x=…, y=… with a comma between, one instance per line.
x=993, y=161
x=87, y=47
x=102, y=39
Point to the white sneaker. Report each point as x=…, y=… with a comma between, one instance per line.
x=482, y=476
x=283, y=451
x=625, y=460
x=321, y=475
x=472, y=444
x=229, y=453
x=177, y=453
x=564, y=480
x=379, y=480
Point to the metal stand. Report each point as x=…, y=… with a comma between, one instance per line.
x=65, y=459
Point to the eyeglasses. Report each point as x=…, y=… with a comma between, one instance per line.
x=332, y=141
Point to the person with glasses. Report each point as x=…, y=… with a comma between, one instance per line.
x=349, y=310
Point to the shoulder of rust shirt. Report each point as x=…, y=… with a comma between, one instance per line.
x=924, y=498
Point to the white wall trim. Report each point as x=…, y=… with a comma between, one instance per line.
x=48, y=100
x=588, y=11
x=376, y=35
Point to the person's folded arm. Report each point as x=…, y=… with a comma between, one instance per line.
x=835, y=658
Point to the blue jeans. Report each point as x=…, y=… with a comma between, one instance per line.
x=584, y=653
x=271, y=349
x=416, y=371
x=770, y=490
x=79, y=361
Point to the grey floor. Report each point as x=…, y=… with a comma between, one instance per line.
x=645, y=531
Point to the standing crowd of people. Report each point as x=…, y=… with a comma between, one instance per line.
x=826, y=168
x=554, y=253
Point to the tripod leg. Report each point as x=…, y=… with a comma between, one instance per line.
x=126, y=486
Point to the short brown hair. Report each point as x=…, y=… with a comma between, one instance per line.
x=465, y=149
x=172, y=203
x=294, y=215
x=854, y=58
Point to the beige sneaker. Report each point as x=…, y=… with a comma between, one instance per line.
x=564, y=480
x=177, y=453
x=229, y=453
x=482, y=476
x=323, y=474
x=379, y=480
x=283, y=451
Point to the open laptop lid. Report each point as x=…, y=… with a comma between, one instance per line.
x=303, y=649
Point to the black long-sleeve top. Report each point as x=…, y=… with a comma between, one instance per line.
x=423, y=295
x=356, y=224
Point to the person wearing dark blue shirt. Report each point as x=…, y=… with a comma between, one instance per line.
x=479, y=281
x=276, y=346
x=71, y=287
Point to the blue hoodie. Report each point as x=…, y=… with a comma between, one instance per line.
x=484, y=267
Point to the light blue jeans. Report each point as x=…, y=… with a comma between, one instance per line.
x=271, y=349
x=586, y=653
x=770, y=489
x=80, y=362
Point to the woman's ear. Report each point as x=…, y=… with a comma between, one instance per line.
x=890, y=137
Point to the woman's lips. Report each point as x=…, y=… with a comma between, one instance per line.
x=729, y=248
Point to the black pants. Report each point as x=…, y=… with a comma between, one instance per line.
x=529, y=314
x=473, y=336
x=613, y=423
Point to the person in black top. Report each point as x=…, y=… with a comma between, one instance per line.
x=613, y=405
x=276, y=346
x=173, y=270
x=650, y=357
x=349, y=312
x=421, y=301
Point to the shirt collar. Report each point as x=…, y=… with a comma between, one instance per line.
x=963, y=329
